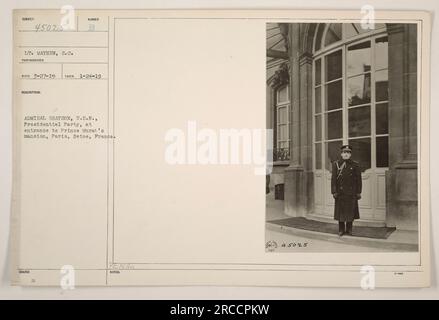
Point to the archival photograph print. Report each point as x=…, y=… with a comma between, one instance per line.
x=342, y=103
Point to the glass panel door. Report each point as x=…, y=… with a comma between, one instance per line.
x=351, y=107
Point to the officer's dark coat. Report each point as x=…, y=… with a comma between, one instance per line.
x=346, y=185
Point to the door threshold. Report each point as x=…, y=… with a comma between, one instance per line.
x=359, y=222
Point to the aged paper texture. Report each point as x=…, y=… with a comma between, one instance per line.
x=141, y=139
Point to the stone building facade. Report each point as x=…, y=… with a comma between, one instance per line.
x=332, y=84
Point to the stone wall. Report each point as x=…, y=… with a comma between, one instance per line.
x=401, y=178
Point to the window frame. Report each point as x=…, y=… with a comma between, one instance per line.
x=280, y=105
x=343, y=40
x=342, y=45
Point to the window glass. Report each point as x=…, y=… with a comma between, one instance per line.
x=382, y=118
x=282, y=94
x=283, y=132
x=334, y=125
x=343, y=90
x=382, y=151
x=318, y=128
x=333, y=64
x=319, y=35
x=318, y=155
x=334, y=95
x=333, y=34
x=318, y=71
x=358, y=90
x=359, y=121
x=361, y=152
x=358, y=58
x=332, y=153
x=282, y=127
x=381, y=53
x=318, y=100
x=382, y=85
x=352, y=29
x=282, y=115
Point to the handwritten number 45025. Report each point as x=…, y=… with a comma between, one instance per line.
x=47, y=27
x=294, y=245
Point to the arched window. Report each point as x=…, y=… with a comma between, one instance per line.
x=333, y=33
x=328, y=34
x=350, y=94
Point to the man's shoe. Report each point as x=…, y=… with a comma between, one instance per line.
x=340, y=233
x=349, y=228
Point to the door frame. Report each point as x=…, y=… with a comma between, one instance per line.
x=324, y=209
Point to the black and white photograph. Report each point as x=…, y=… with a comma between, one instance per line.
x=342, y=104
x=232, y=148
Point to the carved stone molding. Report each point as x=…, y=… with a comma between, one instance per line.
x=305, y=58
x=281, y=76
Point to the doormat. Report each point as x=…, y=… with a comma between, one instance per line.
x=325, y=227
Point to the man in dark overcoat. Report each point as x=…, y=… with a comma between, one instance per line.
x=346, y=187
